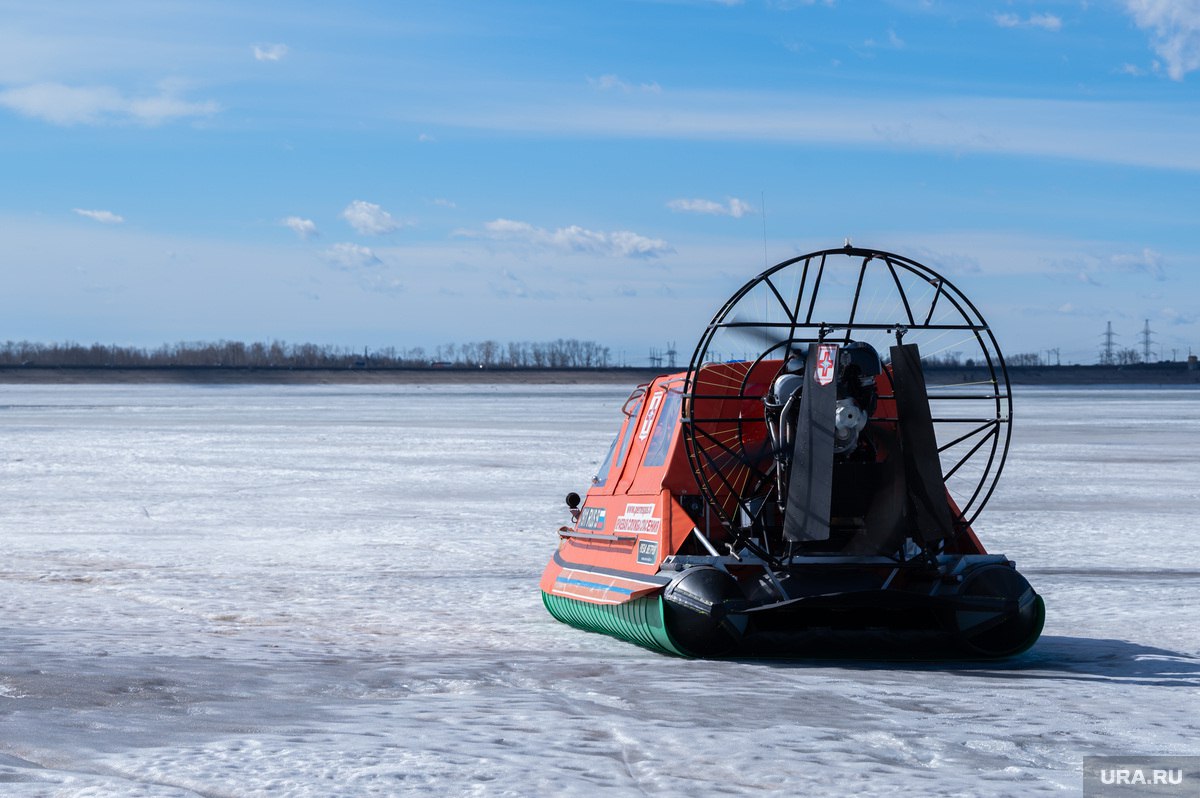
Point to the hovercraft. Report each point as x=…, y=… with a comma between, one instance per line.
x=808, y=486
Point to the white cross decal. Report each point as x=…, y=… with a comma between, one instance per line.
x=826, y=357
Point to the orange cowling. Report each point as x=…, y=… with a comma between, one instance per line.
x=633, y=515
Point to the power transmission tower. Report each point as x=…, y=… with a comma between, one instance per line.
x=1107, y=358
x=1146, y=340
x=671, y=355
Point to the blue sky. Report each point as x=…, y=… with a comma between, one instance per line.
x=412, y=174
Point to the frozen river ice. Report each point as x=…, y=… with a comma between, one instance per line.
x=316, y=591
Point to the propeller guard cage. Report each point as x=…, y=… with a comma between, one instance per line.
x=842, y=297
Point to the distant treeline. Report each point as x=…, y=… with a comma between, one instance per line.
x=953, y=360
x=560, y=354
x=1122, y=357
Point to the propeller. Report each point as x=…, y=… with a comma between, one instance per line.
x=760, y=337
x=810, y=479
x=929, y=514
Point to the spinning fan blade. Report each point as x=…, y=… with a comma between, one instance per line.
x=810, y=482
x=757, y=338
x=923, y=468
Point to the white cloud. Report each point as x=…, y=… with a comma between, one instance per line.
x=305, y=228
x=893, y=41
x=507, y=228
x=70, y=105
x=1148, y=261
x=350, y=257
x=270, y=52
x=1048, y=22
x=442, y=202
x=617, y=244
x=105, y=217
x=376, y=271
x=696, y=206
x=735, y=207
x=739, y=208
x=425, y=138
x=1141, y=133
x=1175, y=31
x=1175, y=317
x=368, y=218
x=515, y=286
x=1088, y=268
x=791, y=5
x=626, y=244
x=614, y=83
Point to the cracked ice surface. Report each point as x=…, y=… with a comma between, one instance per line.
x=314, y=591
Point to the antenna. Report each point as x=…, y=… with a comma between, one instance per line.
x=762, y=201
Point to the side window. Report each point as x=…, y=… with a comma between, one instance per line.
x=664, y=429
x=619, y=447
x=602, y=473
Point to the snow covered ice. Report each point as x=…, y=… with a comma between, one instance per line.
x=332, y=590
